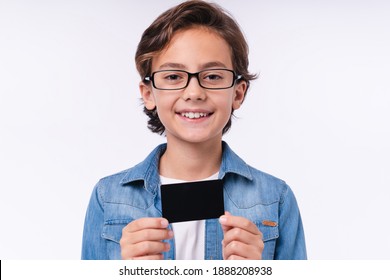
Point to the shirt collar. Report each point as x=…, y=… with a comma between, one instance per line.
x=147, y=170
x=232, y=163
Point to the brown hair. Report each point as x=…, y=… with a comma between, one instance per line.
x=183, y=16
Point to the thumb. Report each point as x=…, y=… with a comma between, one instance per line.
x=222, y=221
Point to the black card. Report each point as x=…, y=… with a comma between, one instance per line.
x=192, y=201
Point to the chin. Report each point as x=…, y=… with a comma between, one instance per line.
x=198, y=139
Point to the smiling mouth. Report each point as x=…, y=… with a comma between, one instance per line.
x=194, y=115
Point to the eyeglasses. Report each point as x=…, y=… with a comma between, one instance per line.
x=179, y=79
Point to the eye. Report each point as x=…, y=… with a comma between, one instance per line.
x=172, y=77
x=213, y=77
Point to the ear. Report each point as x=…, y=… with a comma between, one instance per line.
x=239, y=94
x=147, y=96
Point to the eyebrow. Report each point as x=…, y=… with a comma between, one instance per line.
x=173, y=65
x=214, y=64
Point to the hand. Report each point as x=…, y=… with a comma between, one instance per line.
x=242, y=239
x=142, y=239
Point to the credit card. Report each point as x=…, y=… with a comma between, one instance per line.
x=192, y=201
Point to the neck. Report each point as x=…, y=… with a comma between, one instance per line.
x=191, y=161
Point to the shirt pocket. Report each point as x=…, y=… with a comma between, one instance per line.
x=270, y=231
x=112, y=234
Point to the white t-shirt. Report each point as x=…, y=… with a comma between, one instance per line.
x=189, y=236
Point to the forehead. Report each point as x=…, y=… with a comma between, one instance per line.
x=194, y=49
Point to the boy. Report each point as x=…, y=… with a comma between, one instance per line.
x=193, y=61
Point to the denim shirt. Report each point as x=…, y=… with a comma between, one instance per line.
x=135, y=193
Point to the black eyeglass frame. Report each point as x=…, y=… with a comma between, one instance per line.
x=150, y=78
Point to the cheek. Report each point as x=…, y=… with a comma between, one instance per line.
x=227, y=103
x=162, y=103
x=164, y=106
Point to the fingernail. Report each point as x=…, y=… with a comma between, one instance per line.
x=170, y=233
x=222, y=219
x=164, y=223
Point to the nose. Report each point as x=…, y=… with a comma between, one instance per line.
x=194, y=91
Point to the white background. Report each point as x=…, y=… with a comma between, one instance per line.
x=318, y=116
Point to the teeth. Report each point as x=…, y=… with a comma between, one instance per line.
x=194, y=115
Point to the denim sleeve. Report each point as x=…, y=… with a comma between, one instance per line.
x=291, y=242
x=94, y=246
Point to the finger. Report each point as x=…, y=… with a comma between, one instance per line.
x=235, y=257
x=144, y=249
x=144, y=223
x=238, y=249
x=244, y=236
x=240, y=222
x=150, y=257
x=146, y=235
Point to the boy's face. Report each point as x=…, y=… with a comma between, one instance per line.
x=194, y=114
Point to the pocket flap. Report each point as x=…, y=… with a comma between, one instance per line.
x=112, y=229
x=269, y=229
